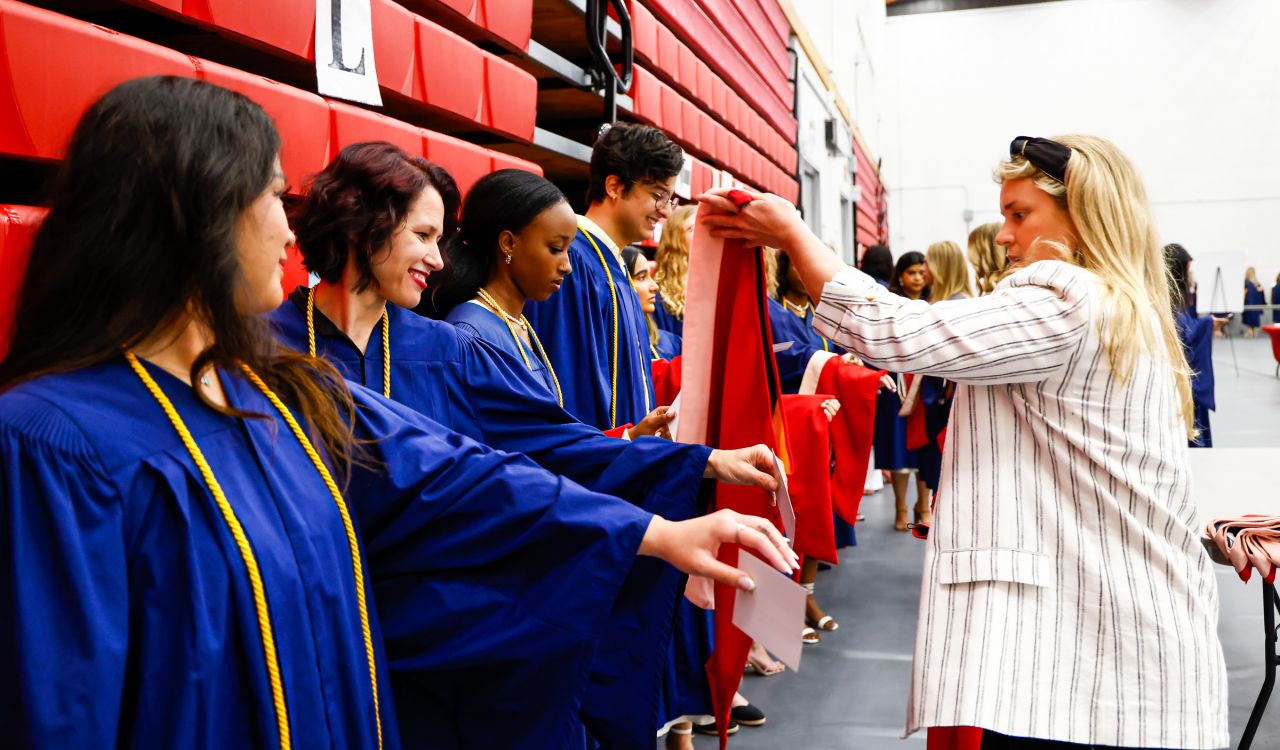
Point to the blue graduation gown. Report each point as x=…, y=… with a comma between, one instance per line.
x=669, y=345
x=1275, y=300
x=665, y=320
x=576, y=326
x=470, y=386
x=1253, y=295
x=805, y=342
x=138, y=627
x=484, y=324
x=1197, y=344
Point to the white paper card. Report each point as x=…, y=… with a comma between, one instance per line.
x=773, y=614
x=782, y=347
x=674, y=410
x=344, y=51
x=782, y=498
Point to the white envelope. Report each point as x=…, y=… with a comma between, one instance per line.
x=782, y=498
x=674, y=410
x=773, y=614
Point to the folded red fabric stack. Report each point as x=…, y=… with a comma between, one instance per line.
x=1248, y=542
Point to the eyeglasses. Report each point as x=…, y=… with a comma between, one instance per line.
x=664, y=201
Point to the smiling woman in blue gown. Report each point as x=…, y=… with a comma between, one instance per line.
x=195, y=519
x=373, y=262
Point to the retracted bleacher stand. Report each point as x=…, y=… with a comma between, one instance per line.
x=1271, y=660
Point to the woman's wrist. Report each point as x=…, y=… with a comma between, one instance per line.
x=654, y=541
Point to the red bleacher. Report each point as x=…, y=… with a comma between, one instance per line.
x=713, y=73
x=57, y=66
x=48, y=89
x=17, y=228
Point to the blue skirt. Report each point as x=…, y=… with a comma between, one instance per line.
x=890, y=439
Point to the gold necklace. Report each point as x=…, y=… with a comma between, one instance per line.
x=386, y=339
x=523, y=322
x=800, y=310
x=266, y=634
x=493, y=303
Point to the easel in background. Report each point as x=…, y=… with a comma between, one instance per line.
x=1218, y=301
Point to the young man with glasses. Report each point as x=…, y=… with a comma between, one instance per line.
x=593, y=329
x=597, y=341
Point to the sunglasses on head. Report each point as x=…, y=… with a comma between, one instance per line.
x=1048, y=156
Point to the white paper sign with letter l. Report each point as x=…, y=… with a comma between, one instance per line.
x=344, y=51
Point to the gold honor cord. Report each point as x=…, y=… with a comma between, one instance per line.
x=386, y=339
x=246, y=552
x=242, y=542
x=520, y=345
x=803, y=312
x=613, y=351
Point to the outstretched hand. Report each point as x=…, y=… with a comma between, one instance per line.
x=691, y=546
x=768, y=220
x=754, y=466
x=656, y=423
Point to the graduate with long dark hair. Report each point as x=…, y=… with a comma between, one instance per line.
x=197, y=519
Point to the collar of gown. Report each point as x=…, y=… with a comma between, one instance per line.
x=600, y=234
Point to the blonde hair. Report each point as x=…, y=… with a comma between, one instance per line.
x=672, y=273
x=949, y=270
x=1115, y=238
x=1251, y=274
x=771, y=272
x=986, y=256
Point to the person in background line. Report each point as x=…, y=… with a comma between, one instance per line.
x=928, y=400
x=877, y=262
x=1275, y=300
x=672, y=270
x=662, y=343
x=1197, y=341
x=1253, y=295
x=986, y=257
x=909, y=279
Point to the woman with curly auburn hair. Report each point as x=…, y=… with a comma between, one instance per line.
x=672, y=271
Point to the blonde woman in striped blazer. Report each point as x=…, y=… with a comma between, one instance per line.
x=1066, y=596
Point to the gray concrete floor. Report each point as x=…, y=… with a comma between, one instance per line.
x=852, y=688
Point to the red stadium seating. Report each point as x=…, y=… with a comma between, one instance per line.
x=467, y=162
x=17, y=229
x=395, y=39
x=510, y=98
x=506, y=161
x=56, y=67
x=355, y=125
x=450, y=71
x=509, y=22
x=301, y=117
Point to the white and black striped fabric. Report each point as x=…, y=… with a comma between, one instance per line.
x=1066, y=594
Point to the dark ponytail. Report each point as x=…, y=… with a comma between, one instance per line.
x=506, y=200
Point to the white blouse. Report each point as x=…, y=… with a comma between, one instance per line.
x=1066, y=594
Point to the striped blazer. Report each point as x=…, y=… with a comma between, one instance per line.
x=1066, y=595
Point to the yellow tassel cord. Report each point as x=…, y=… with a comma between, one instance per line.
x=386, y=340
